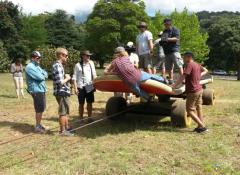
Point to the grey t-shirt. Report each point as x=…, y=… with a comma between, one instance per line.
x=17, y=71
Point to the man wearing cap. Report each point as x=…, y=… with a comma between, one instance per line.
x=84, y=74
x=192, y=75
x=170, y=42
x=36, y=86
x=61, y=90
x=144, y=42
x=130, y=75
x=160, y=61
x=131, y=50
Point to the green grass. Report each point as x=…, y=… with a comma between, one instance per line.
x=124, y=147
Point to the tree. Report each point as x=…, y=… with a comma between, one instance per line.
x=34, y=31
x=62, y=30
x=224, y=39
x=112, y=23
x=4, y=60
x=10, y=27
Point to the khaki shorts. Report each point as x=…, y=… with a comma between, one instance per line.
x=173, y=60
x=63, y=108
x=194, y=101
x=145, y=61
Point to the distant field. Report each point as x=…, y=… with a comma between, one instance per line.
x=125, y=147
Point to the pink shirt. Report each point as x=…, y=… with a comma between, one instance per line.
x=125, y=70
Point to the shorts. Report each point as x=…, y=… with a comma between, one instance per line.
x=173, y=60
x=194, y=101
x=39, y=101
x=82, y=95
x=63, y=105
x=160, y=62
x=145, y=61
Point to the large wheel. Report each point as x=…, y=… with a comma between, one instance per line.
x=115, y=105
x=208, y=97
x=179, y=116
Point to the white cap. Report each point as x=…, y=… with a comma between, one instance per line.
x=130, y=44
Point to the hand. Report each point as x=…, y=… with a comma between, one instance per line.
x=173, y=86
x=76, y=91
x=67, y=76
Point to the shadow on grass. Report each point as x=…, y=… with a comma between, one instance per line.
x=125, y=125
x=8, y=96
x=24, y=128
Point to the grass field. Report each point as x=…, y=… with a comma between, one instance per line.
x=123, y=147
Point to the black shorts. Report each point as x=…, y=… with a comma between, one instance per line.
x=39, y=100
x=82, y=95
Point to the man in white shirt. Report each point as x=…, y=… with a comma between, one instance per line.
x=84, y=74
x=144, y=42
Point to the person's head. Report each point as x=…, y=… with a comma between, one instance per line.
x=18, y=61
x=142, y=27
x=187, y=57
x=36, y=56
x=160, y=34
x=120, y=52
x=62, y=55
x=167, y=23
x=85, y=55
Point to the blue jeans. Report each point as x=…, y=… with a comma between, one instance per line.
x=144, y=77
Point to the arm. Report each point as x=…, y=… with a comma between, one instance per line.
x=35, y=74
x=150, y=44
x=94, y=70
x=175, y=37
x=179, y=81
x=45, y=73
x=59, y=77
x=108, y=70
x=204, y=71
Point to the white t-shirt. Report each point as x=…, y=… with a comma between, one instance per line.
x=86, y=79
x=142, y=42
x=134, y=58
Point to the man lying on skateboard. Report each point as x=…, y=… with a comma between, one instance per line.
x=125, y=70
x=192, y=75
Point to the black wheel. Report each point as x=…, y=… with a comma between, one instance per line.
x=115, y=105
x=163, y=98
x=179, y=116
x=208, y=97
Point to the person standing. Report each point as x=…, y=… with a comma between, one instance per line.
x=36, y=86
x=62, y=90
x=17, y=71
x=144, y=45
x=160, y=61
x=192, y=76
x=84, y=74
x=170, y=41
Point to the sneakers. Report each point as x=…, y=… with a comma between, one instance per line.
x=66, y=133
x=40, y=129
x=201, y=130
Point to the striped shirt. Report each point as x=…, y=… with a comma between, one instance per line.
x=58, y=77
x=126, y=71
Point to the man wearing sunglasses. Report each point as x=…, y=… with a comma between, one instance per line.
x=170, y=41
x=36, y=86
x=62, y=90
x=144, y=48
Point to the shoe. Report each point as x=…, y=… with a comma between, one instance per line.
x=195, y=129
x=40, y=129
x=202, y=130
x=66, y=133
x=90, y=120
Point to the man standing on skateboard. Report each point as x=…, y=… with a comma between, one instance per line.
x=170, y=41
x=192, y=75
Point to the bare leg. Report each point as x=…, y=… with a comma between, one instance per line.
x=66, y=123
x=62, y=122
x=21, y=87
x=81, y=111
x=181, y=71
x=38, y=118
x=196, y=119
x=89, y=109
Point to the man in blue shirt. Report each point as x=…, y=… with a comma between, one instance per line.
x=36, y=86
x=170, y=41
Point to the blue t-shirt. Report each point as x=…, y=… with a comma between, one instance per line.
x=170, y=47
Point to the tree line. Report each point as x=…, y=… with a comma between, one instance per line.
x=213, y=37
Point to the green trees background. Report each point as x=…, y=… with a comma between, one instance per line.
x=213, y=37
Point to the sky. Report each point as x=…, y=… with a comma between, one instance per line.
x=84, y=7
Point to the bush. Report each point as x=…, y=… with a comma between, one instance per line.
x=4, y=60
x=49, y=57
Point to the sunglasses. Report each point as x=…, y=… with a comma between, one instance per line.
x=141, y=27
x=65, y=55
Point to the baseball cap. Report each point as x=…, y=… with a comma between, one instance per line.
x=119, y=49
x=188, y=53
x=36, y=54
x=167, y=21
x=130, y=44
